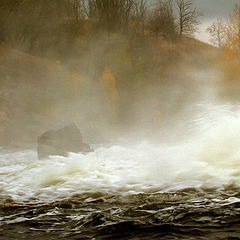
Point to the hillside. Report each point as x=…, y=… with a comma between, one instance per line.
x=37, y=93
x=24, y=79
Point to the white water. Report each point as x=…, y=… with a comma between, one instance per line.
x=209, y=159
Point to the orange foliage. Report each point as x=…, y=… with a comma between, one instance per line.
x=233, y=30
x=51, y=112
x=230, y=66
x=4, y=113
x=230, y=55
x=108, y=82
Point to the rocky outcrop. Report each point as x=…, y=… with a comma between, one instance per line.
x=60, y=142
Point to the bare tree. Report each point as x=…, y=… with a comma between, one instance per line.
x=114, y=14
x=187, y=17
x=36, y=25
x=233, y=30
x=140, y=16
x=110, y=15
x=7, y=8
x=77, y=10
x=217, y=32
x=162, y=20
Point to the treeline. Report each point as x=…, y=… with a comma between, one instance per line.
x=36, y=26
x=225, y=34
x=96, y=62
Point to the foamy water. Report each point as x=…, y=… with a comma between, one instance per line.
x=210, y=159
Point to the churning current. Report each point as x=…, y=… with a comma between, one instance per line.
x=157, y=190
x=209, y=160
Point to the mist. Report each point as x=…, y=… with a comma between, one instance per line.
x=116, y=122
x=132, y=77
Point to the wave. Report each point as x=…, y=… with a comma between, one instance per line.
x=209, y=159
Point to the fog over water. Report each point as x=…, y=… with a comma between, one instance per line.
x=187, y=179
x=199, y=150
x=159, y=109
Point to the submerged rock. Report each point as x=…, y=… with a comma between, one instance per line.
x=60, y=142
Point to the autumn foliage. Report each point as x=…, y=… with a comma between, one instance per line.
x=109, y=84
x=226, y=35
x=82, y=61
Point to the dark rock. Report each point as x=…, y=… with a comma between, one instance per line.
x=60, y=142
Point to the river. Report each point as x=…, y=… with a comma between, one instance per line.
x=145, y=190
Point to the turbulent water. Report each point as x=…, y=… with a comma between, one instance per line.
x=189, y=190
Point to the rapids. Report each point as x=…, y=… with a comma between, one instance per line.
x=209, y=159
x=145, y=190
